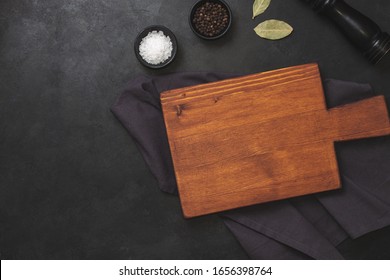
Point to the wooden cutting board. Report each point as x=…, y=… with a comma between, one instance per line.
x=260, y=138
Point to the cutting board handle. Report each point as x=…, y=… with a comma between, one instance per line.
x=363, y=119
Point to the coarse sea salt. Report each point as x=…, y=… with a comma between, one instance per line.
x=155, y=48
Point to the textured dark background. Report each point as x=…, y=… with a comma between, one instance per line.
x=72, y=183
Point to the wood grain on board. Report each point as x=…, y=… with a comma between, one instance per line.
x=260, y=138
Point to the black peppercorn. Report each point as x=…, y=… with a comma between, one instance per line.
x=211, y=19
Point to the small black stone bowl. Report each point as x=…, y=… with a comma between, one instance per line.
x=200, y=3
x=143, y=34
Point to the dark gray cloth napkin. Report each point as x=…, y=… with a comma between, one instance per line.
x=300, y=228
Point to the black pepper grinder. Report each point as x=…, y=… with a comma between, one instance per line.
x=359, y=29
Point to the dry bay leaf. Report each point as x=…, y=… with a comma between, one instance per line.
x=259, y=6
x=273, y=29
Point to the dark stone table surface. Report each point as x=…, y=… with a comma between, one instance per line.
x=72, y=183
